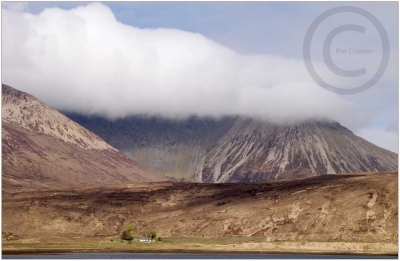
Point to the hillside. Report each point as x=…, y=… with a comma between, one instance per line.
x=235, y=149
x=41, y=148
x=341, y=208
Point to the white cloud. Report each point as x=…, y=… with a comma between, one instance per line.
x=83, y=60
x=15, y=6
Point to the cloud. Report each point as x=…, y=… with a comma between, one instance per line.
x=83, y=60
x=15, y=6
x=382, y=137
x=393, y=127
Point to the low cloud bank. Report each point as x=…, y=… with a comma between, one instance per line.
x=83, y=60
x=382, y=137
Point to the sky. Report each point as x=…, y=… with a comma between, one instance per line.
x=179, y=59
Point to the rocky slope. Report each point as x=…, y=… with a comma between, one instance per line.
x=239, y=150
x=255, y=151
x=41, y=148
x=340, y=208
x=175, y=149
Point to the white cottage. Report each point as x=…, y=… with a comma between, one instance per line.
x=146, y=239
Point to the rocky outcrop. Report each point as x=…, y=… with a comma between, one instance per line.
x=8, y=236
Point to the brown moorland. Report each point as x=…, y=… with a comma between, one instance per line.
x=332, y=213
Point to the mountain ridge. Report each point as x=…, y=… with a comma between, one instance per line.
x=238, y=149
x=42, y=149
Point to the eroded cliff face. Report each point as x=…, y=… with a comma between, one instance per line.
x=41, y=148
x=234, y=149
x=255, y=151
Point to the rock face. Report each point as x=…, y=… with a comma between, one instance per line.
x=255, y=151
x=44, y=149
x=239, y=150
x=175, y=149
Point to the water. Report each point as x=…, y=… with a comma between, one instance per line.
x=184, y=256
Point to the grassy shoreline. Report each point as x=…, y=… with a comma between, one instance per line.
x=200, y=246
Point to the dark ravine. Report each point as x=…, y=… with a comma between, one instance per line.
x=234, y=149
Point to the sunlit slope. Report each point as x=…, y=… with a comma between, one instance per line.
x=41, y=148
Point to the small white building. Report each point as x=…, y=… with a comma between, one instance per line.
x=146, y=239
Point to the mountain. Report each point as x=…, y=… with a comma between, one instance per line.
x=176, y=149
x=236, y=149
x=41, y=148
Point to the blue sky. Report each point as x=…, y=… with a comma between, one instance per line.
x=248, y=27
x=273, y=28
